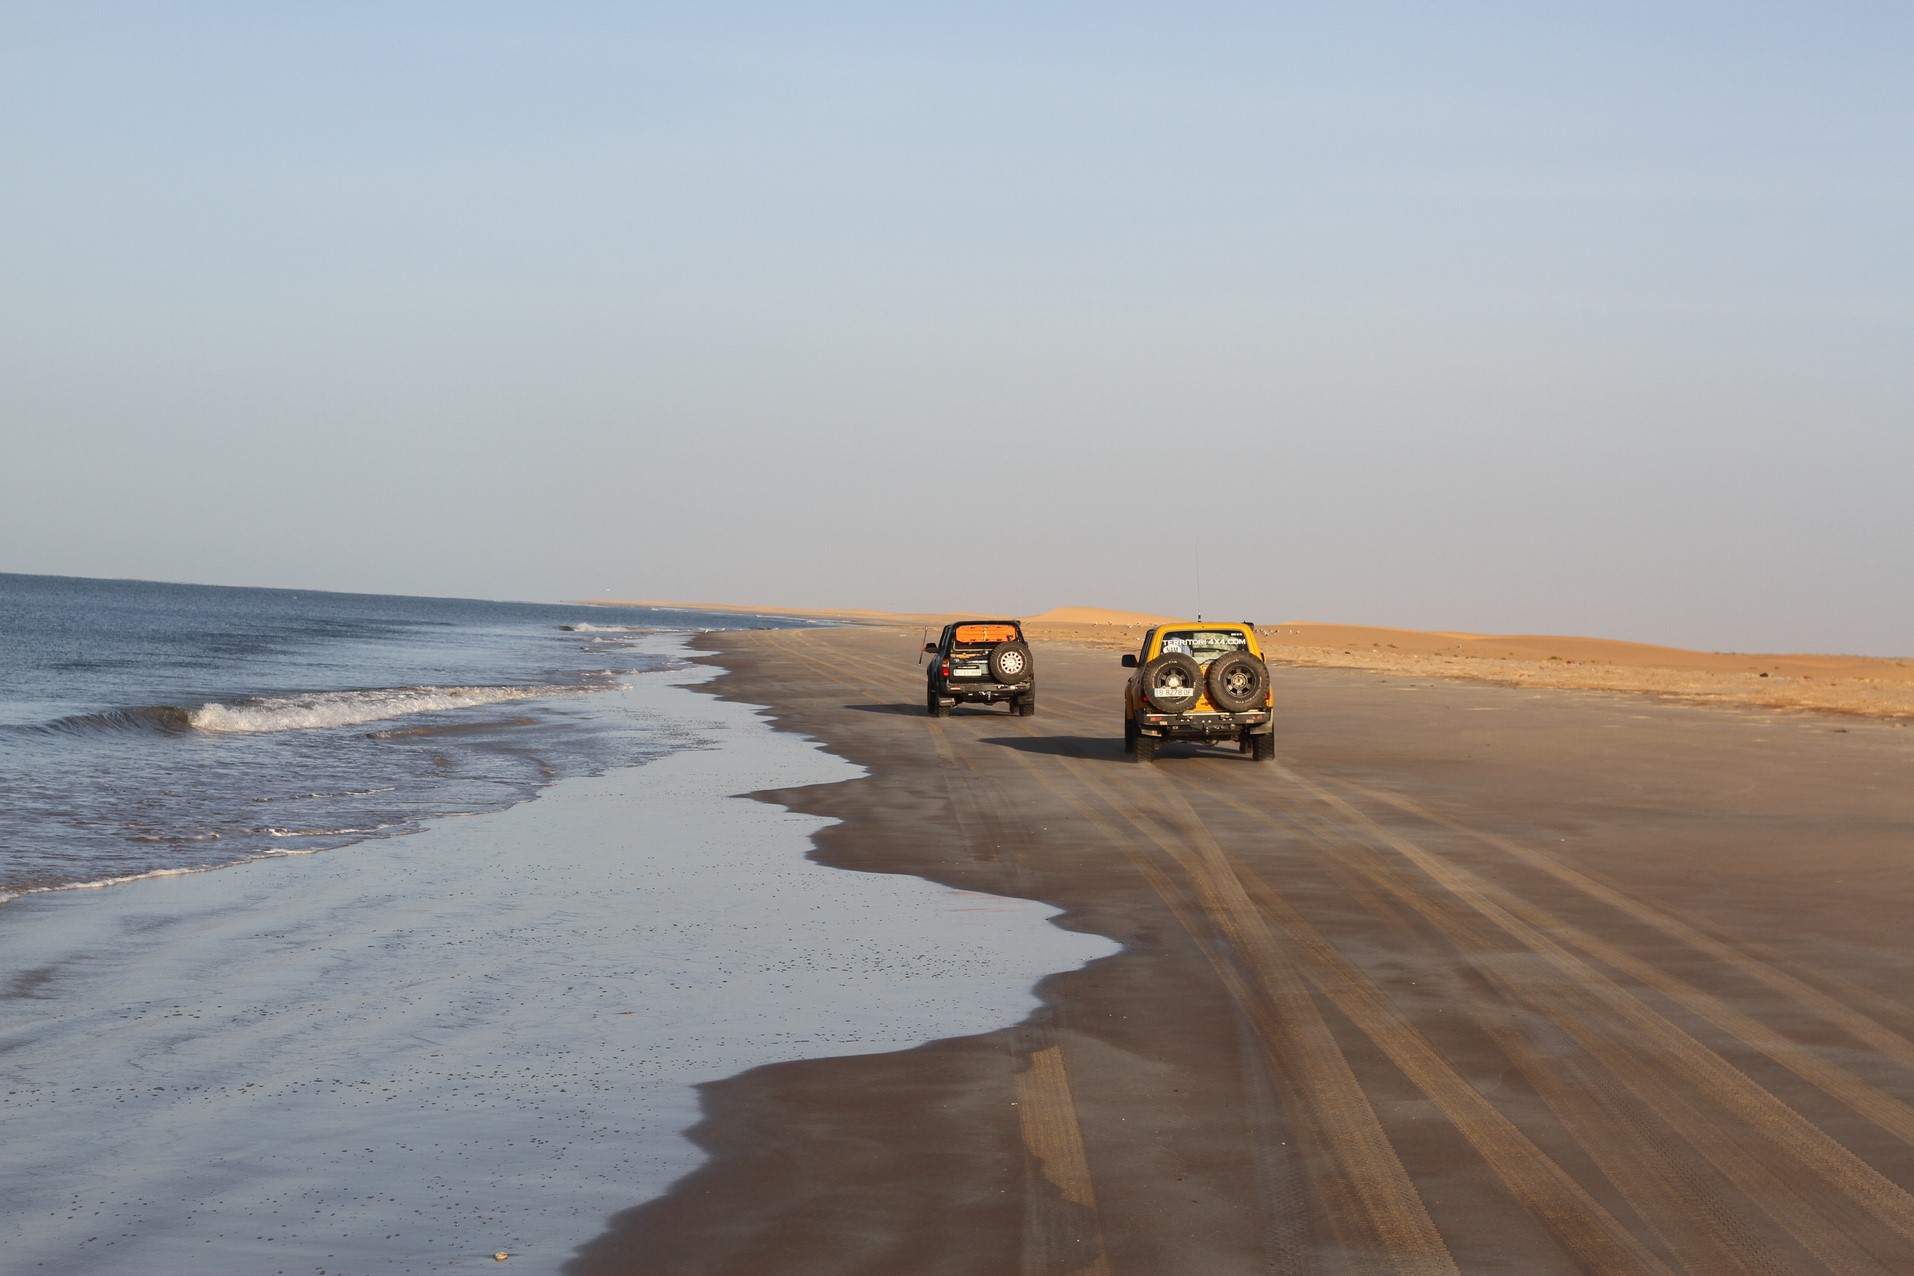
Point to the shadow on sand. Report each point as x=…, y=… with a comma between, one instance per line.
x=917, y=710
x=1089, y=748
x=1105, y=748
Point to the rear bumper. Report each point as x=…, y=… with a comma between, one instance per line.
x=956, y=692
x=1171, y=725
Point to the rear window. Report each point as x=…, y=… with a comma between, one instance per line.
x=983, y=635
x=1204, y=644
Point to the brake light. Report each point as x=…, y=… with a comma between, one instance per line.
x=946, y=669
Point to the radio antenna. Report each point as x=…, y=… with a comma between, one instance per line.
x=1197, y=553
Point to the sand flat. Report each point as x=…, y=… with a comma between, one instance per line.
x=410, y=1054
x=1876, y=687
x=1474, y=977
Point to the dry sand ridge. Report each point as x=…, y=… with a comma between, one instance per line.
x=1866, y=686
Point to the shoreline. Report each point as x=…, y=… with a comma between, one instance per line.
x=484, y=1036
x=1321, y=999
x=1876, y=687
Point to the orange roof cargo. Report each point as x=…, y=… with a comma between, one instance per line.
x=981, y=634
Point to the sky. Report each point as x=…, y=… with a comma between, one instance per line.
x=1502, y=318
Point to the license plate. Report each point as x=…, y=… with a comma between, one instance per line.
x=966, y=673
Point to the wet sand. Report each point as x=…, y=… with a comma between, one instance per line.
x=1474, y=978
x=409, y=1055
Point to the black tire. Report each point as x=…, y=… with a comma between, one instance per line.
x=1237, y=681
x=1262, y=748
x=1027, y=707
x=1172, y=682
x=1145, y=748
x=1129, y=736
x=934, y=706
x=1010, y=662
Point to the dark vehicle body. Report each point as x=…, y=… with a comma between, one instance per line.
x=980, y=662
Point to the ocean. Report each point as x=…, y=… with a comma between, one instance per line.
x=379, y=935
x=151, y=729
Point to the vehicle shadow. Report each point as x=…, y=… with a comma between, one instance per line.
x=1088, y=748
x=917, y=710
x=1107, y=748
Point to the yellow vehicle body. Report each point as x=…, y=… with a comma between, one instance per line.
x=1199, y=680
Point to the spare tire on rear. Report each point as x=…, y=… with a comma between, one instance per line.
x=1237, y=681
x=1010, y=662
x=1172, y=682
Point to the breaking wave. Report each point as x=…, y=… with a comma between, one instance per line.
x=582, y=628
x=255, y=715
x=349, y=708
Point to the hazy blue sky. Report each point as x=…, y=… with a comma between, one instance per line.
x=1492, y=317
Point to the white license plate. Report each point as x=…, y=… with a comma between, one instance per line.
x=966, y=673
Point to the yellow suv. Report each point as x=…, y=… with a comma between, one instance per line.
x=1196, y=680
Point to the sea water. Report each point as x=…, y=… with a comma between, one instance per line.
x=411, y=1052
x=154, y=728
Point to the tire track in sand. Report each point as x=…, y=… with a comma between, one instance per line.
x=1063, y=1233
x=1870, y=1032
x=1580, y=1224
x=1707, y=1227
x=1664, y=1066
x=1368, y=1196
x=1284, y=1199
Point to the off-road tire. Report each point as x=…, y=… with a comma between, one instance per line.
x=1026, y=707
x=1262, y=748
x=1144, y=750
x=1010, y=662
x=1237, y=682
x=934, y=706
x=1129, y=736
x=1172, y=682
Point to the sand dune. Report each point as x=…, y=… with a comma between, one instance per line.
x=1868, y=686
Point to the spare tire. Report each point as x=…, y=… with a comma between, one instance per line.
x=1237, y=681
x=1172, y=682
x=1010, y=662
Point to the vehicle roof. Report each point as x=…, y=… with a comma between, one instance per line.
x=1203, y=624
x=982, y=621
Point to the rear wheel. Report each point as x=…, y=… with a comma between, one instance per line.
x=1129, y=736
x=1145, y=748
x=1027, y=707
x=1262, y=748
x=933, y=706
x=1009, y=662
x=1172, y=682
x=1237, y=681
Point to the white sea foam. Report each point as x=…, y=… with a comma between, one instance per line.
x=343, y=793
x=526, y=1001
x=348, y=708
x=102, y=883
x=274, y=852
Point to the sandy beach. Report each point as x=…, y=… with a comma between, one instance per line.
x=1484, y=974
x=1479, y=977
x=399, y=875
x=1879, y=687
x=409, y=1055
